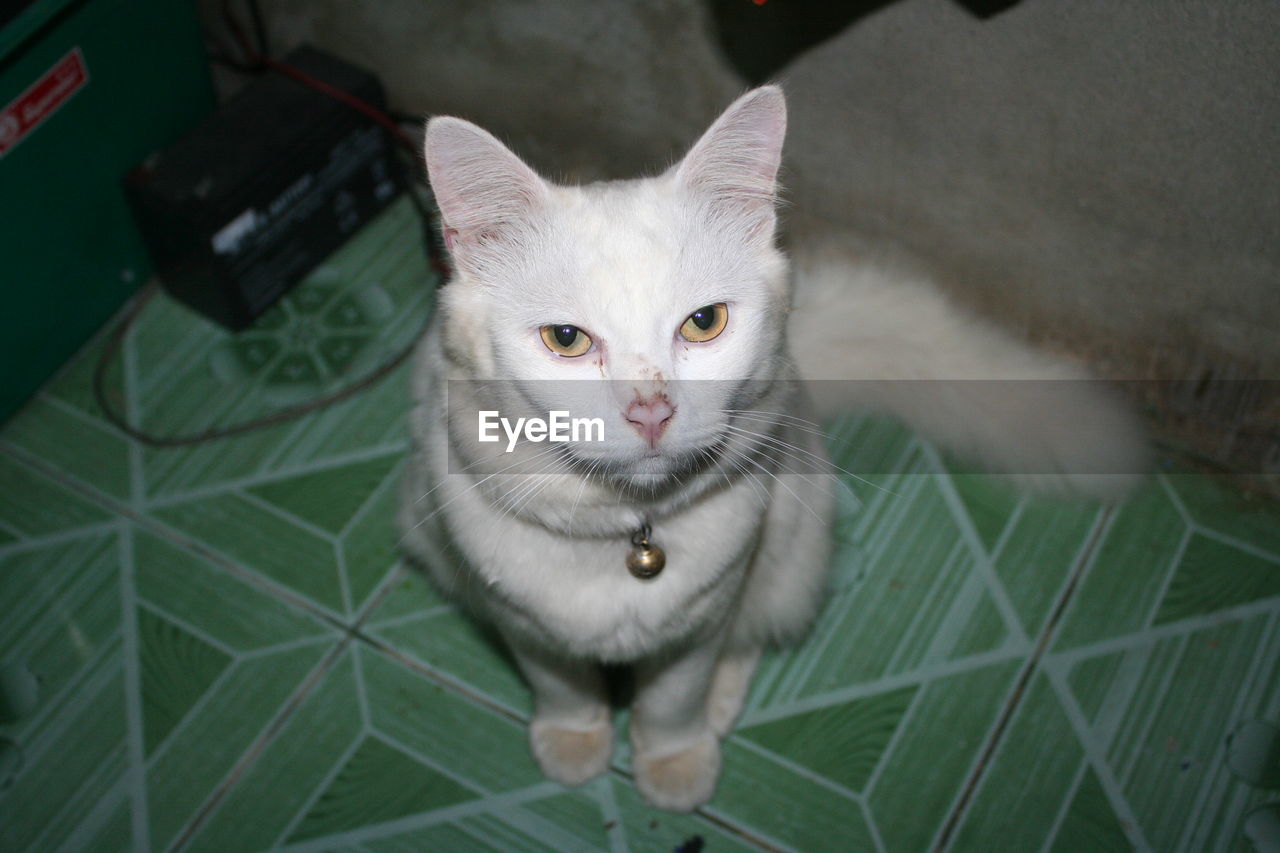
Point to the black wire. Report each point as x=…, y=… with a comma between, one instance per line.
x=121, y=422
x=259, y=28
x=234, y=65
x=431, y=246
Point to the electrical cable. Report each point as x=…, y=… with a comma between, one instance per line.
x=257, y=60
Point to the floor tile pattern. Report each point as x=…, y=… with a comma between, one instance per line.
x=217, y=649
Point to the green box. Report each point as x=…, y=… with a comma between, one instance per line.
x=71, y=254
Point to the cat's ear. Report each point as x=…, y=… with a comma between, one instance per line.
x=735, y=163
x=481, y=187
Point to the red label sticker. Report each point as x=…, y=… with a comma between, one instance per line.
x=42, y=99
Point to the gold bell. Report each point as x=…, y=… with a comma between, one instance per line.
x=645, y=559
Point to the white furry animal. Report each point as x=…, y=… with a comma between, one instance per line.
x=663, y=307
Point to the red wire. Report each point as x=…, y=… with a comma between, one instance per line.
x=338, y=94
x=256, y=58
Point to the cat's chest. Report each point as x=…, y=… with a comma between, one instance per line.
x=579, y=594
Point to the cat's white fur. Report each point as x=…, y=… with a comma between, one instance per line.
x=745, y=530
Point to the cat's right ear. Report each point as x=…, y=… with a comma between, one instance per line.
x=481, y=187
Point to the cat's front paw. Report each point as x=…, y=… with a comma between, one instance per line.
x=679, y=781
x=571, y=756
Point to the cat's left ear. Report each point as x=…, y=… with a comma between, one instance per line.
x=735, y=163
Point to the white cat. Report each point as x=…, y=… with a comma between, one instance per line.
x=663, y=307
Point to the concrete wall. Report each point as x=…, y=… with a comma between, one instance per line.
x=1104, y=175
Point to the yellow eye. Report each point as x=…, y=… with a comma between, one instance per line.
x=568, y=341
x=705, y=323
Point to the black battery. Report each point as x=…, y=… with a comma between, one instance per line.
x=241, y=209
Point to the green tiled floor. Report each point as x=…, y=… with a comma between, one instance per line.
x=231, y=658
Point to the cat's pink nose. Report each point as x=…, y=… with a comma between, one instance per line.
x=650, y=417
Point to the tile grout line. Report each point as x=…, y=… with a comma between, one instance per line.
x=249, y=481
x=92, y=684
x=54, y=704
x=1072, y=792
x=199, y=633
x=25, y=636
x=1083, y=560
x=94, y=820
x=390, y=480
x=1176, y=499
x=919, y=675
x=344, y=581
x=284, y=646
x=614, y=829
x=1171, y=572
x=794, y=679
x=422, y=820
x=750, y=835
x=163, y=531
x=339, y=762
x=1148, y=636
x=131, y=665
x=991, y=738
x=130, y=387
x=899, y=732
x=1239, y=544
x=245, y=574
x=430, y=763
x=1095, y=756
x=872, y=827
x=950, y=573
x=1156, y=698
x=210, y=695
x=444, y=680
x=409, y=618
x=362, y=694
x=255, y=750
x=59, y=537
x=284, y=515
x=997, y=550
x=983, y=562
x=798, y=769
x=93, y=815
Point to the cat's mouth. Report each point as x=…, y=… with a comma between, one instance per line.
x=650, y=467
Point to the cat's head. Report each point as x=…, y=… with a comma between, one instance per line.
x=669, y=288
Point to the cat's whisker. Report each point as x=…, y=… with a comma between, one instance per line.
x=466, y=491
x=757, y=490
x=466, y=468
x=759, y=487
x=778, y=419
x=789, y=450
x=815, y=458
x=585, y=476
x=778, y=415
x=533, y=483
x=544, y=483
x=786, y=454
x=764, y=469
x=507, y=501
